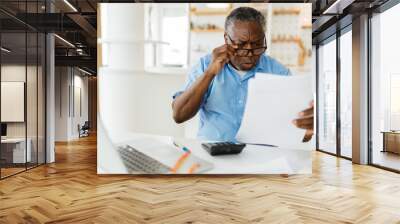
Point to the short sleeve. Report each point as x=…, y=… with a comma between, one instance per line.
x=271, y=65
x=280, y=68
x=195, y=72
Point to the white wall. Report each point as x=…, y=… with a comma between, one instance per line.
x=33, y=127
x=122, y=33
x=10, y=73
x=61, y=103
x=130, y=99
x=138, y=102
x=80, y=103
x=67, y=114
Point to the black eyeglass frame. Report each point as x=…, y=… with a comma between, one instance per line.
x=245, y=52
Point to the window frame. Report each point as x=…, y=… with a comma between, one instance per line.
x=371, y=14
x=25, y=30
x=157, y=67
x=334, y=37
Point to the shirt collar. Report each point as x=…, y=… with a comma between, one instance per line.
x=252, y=72
x=249, y=74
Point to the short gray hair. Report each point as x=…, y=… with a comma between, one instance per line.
x=245, y=14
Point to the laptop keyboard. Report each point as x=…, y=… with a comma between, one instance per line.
x=138, y=162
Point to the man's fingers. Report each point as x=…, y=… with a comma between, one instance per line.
x=308, y=136
x=220, y=59
x=307, y=112
x=222, y=54
x=305, y=122
x=223, y=58
x=231, y=51
x=305, y=117
x=229, y=54
x=220, y=49
x=226, y=49
x=305, y=126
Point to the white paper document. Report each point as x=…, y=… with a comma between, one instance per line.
x=273, y=102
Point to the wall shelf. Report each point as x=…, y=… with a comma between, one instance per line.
x=306, y=26
x=209, y=11
x=286, y=12
x=207, y=30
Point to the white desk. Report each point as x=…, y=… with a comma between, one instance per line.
x=252, y=160
x=18, y=149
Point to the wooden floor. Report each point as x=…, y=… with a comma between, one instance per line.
x=70, y=191
x=10, y=171
x=387, y=159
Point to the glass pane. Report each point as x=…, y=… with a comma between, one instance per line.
x=395, y=102
x=327, y=97
x=41, y=98
x=31, y=100
x=31, y=88
x=386, y=89
x=174, y=51
x=346, y=94
x=13, y=87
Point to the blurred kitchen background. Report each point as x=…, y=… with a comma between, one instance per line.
x=145, y=52
x=197, y=28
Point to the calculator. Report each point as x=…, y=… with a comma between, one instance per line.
x=223, y=148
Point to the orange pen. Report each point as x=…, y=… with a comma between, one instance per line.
x=180, y=161
x=193, y=168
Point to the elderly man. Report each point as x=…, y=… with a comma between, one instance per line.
x=217, y=85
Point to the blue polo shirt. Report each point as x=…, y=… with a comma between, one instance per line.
x=223, y=105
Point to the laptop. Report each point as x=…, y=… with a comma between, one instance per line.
x=149, y=155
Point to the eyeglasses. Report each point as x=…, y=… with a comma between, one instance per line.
x=245, y=52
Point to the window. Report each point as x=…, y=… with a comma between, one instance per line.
x=22, y=77
x=346, y=94
x=163, y=47
x=385, y=89
x=395, y=101
x=327, y=97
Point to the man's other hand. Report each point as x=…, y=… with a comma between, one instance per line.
x=306, y=121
